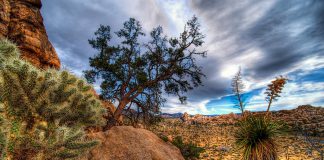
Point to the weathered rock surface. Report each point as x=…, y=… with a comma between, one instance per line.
x=129, y=143
x=22, y=23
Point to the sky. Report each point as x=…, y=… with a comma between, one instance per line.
x=265, y=38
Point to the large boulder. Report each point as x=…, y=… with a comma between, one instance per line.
x=129, y=143
x=22, y=23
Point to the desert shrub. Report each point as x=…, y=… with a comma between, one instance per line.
x=154, y=120
x=188, y=150
x=255, y=135
x=164, y=138
x=43, y=113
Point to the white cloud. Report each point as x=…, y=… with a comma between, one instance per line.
x=293, y=95
x=173, y=105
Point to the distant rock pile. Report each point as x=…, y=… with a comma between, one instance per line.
x=22, y=23
x=185, y=117
x=307, y=117
x=129, y=143
x=196, y=119
x=228, y=119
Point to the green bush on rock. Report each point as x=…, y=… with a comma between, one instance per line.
x=43, y=112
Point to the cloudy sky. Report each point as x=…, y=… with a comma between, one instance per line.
x=265, y=38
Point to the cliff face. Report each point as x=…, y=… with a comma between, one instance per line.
x=22, y=23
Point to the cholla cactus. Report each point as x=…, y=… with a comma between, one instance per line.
x=274, y=89
x=43, y=113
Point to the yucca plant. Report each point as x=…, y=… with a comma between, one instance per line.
x=43, y=112
x=255, y=135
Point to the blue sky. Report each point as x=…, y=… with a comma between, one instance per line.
x=265, y=38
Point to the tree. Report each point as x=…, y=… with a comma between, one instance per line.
x=43, y=113
x=148, y=103
x=237, y=88
x=274, y=89
x=133, y=71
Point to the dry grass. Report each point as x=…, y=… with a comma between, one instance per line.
x=219, y=142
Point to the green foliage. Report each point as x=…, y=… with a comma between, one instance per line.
x=188, y=150
x=255, y=136
x=164, y=138
x=138, y=72
x=43, y=113
x=154, y=120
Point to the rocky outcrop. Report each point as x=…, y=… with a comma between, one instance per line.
x=226, y=119
x=185, y=117
x=307, y=117
x=129, y=143
x=22, y=23
x=196, y=119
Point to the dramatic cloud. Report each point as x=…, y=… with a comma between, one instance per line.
x=71, y=23
x=264, y=38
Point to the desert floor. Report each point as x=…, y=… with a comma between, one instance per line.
x=219, y=143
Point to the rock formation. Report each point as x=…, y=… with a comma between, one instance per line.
x=129, y=143
x=185, y=117
x=228, y=119
x=22, y=23
x=304, y=117
x=196, y=119
x=307, y=117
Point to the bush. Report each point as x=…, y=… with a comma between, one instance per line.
x=43, y=113
x=255, y=136
x=164, y=138
x=188, y=150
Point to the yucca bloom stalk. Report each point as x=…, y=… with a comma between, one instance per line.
x=238, y=89
x=274, y=89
